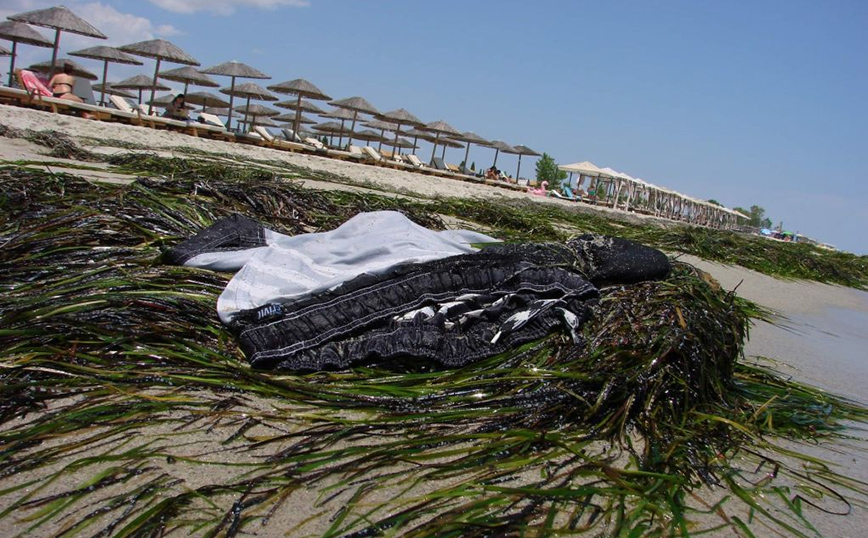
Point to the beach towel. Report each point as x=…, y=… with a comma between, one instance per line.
x=381, y=287
x=33, y=84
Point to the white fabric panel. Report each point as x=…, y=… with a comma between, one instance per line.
x=292, y=266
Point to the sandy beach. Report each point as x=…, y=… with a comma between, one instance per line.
x=813, y=340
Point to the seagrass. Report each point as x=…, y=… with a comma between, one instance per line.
x=113, y=363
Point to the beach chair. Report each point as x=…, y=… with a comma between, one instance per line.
x=438, y=164
x=291, y=135
x=414, y=160
x=272, y=141
x=212, y=119
x=374, y=156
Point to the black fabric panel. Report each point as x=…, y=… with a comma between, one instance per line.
x=235, y=232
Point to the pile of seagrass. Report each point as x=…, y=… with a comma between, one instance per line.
x=127, y=410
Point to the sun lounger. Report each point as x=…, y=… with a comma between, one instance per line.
x=291, y=135
x=375, y=157
x=275, y=142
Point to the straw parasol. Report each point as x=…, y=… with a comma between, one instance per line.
x=501, y=146
x=249, y=90
x=523, y=150
x=60, y=19
x=262, y=121
x=140, y=82
x=330, y=128
x=106, y=54
x=304, y=105
x=18, y=32
x=62, y=63
x=343, y=115
x=439, y=127
x=356, y=105
x=383, y=126
x=400, y=143
x=189, y=75
x=234, y=70
x=159, y=49
x=367, y=135
x=206, y=99
x=290, y=119
x=401, y=117
x=449, y=143
x=300, y=88
x=471, y=138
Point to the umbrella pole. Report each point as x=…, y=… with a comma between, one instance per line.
x=397, y=132
x=186, y=84
x=434, y=151
x=231, y=92
x=154, y=87
x=247, y=106
x=104, y=75
x=297, y=116
x=12, y=63
x=415, y=139
x=517, y=170
x=496, y=152
x=382, y=133
x=341, y=136
x=352, y=128
x=443, y=153
x=54, y=54
x=466, y=155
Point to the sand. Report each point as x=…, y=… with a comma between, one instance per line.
x=808, y=310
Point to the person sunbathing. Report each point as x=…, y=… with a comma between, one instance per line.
x=177, y=109
x=62, y=83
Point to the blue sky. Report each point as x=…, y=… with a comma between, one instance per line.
x=749, y=103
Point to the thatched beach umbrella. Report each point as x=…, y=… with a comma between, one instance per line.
x=501, y=146
x=523, y=150
x=291, y=119
x=419, y=134
x=111, y=90
x=60, y=64
x=254, y=120
x=356, y=105
x=401, y=118
x=159, y=49
x=106, y=55
x=249, y=90
x=471, y=138
x=300, y=88
x=140, y=82
x=439, y=127
x=330, y=128
x=18, y=32
x=304, y=105
x=60, y=19
x=343, y=115
x=234, y=70
x=206, y=100
x=189, y=75
x=256, y=111
x=448, y=143
x=383, y=126
x=367, y=135
x=400, y=143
